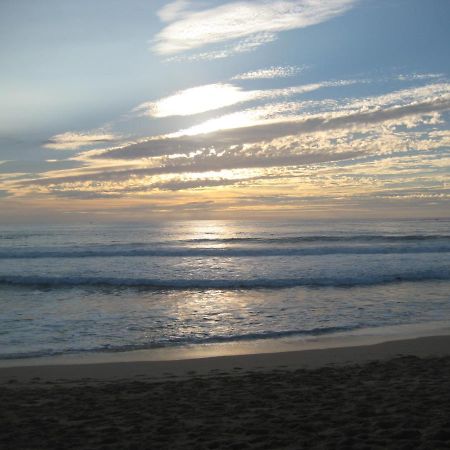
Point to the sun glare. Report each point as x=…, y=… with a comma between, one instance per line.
x=195, y=100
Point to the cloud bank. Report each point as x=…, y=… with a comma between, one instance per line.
x=383, y=148
x=351, y=114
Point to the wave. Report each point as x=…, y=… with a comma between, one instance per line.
x=271, y=238
x=327, y=238
x=126, y=251
x=222, y=284
x=187, y=340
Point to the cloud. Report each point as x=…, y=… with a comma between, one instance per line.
x=173, y=11
x=242, y=46
x=360, y=148
x=179, y=185
x=271, y=72
x=236, y=20
x=319, y=164
x=196, y=100
x=210, y=97
x=83, y=194
x=208, y=162
x=231, y=165
x=319, y=175
x=419, y=76
x=74, y=141
x=395, y=107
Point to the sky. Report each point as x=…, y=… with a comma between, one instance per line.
x=138, y=110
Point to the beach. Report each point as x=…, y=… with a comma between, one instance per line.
x=387, y=395
x=226, y=335
x=225, y=225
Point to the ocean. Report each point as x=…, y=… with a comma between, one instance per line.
x=104, y=288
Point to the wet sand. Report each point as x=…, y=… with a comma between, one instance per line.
x=391, y=395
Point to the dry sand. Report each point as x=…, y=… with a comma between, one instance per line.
x=391, y=395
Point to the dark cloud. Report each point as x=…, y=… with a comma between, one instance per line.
x=178, y=185
x=85, y=195
x=210, y=162
x=225, y=138
x=281, y=199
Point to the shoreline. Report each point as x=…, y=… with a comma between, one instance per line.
x=355, y=338
x=368, y=397
x=157, y=370
x=393, y=394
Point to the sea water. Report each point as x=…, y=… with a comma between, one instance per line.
x=101, y=288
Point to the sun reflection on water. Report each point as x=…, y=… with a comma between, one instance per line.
x=208, y=233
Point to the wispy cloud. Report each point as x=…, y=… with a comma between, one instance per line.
x=399, y=108
x=245, y=45
x=419, y=76
x=173, y=10
x=271, y=72
x=196, y=100
x=275, y=145
x=311, y=161
x=75, y=141
x=215, y=96
x=386, y=148
x=236, y=20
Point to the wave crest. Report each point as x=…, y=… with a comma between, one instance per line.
x=228, y=284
